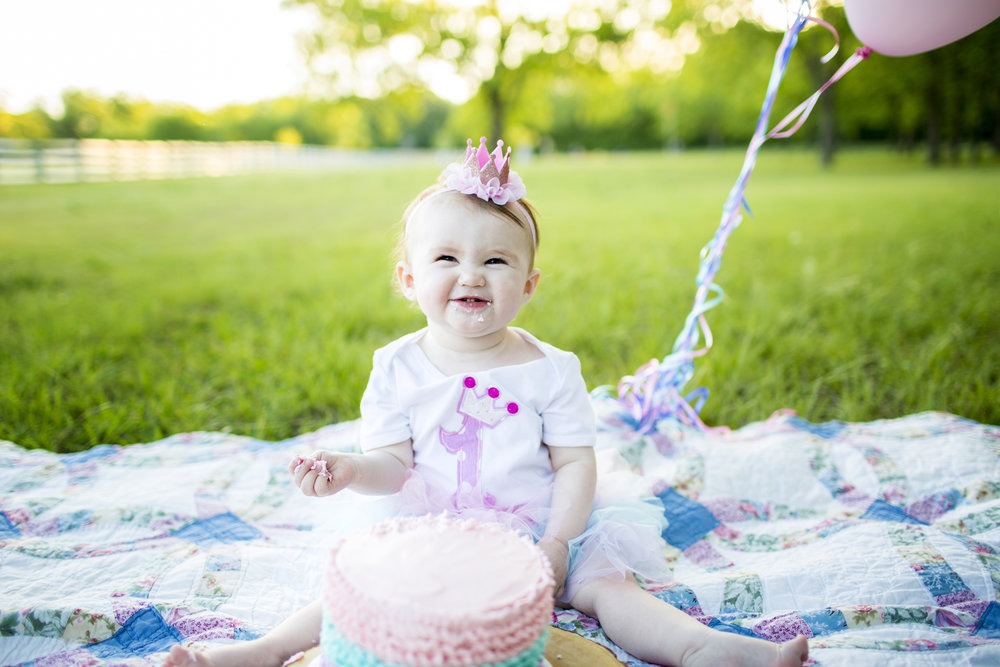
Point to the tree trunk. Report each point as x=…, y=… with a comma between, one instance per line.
x=827, y=136
x=495, y=100
x=827, y=113
x=955, y=81
x=494, y=87
x=996, y=132
x=934, y=108
x=933, y=127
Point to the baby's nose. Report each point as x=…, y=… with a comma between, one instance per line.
x=472, y=277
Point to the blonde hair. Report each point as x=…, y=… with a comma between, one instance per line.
x=521, y=212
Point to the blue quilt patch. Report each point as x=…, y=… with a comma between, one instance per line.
x=680, y=596
x=826, y=430
x=824, y=621
x=7, y=528
x=939, y=579
x=880, y=510
x=144, y=632
x=224, y=528
x=689, y=520
x=93, y=454
x=989, y=622
x=722, y=626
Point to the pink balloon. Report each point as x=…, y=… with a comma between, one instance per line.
x=905, y=27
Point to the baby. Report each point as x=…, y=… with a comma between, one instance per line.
x=477, y=418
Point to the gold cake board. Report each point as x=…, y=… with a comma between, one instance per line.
x=564, y=649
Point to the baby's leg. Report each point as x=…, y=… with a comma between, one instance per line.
x=298, y=632
x=656, y=632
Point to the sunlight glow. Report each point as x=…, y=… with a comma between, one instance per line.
x=205, y=54
x=775, y=14
x=208, y=54
x=779, y=14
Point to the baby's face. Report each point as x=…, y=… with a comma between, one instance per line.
x=467, y=268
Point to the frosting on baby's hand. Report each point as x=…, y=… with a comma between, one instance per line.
x=317, y=464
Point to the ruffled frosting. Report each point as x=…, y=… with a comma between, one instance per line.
x=489, y=599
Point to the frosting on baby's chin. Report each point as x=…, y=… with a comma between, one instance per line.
x=439, y=574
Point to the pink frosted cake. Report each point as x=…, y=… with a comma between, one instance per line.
x=436, y=592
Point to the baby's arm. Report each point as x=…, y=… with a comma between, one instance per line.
x=572, y=501
x=379, y=471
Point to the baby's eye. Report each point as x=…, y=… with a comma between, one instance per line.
x=446, y=258
x=496, y=260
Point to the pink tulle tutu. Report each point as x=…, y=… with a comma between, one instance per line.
x=623, y=535
x=418, y=497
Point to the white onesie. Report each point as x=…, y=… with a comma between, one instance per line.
x=478, y=437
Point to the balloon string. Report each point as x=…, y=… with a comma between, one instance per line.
x=653, y=393
x=802, y=111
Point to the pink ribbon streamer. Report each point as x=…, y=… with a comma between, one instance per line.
x=800, y=113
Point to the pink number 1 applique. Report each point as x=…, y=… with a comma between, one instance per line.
x=477, y=410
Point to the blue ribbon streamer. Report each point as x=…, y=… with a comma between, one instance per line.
x=653, y=393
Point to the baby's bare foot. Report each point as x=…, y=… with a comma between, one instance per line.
x=794, y=652
x=730, y=650
x=241, y=654
x=185, y=657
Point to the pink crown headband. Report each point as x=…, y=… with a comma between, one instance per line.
x=487, y=176
x=484, y=174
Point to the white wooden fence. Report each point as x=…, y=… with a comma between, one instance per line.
x=75, y=160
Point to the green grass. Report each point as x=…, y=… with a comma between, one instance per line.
x=129, y=311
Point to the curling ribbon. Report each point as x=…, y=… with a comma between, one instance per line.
x=653, y=393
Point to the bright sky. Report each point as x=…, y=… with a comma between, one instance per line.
x=205, y=53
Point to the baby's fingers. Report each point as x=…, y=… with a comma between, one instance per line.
x=335, y=472
x=325, y=485
x=323, y=473
x=305, y=471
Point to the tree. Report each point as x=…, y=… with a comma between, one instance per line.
x=945, y=97
x=87, y=115
x=82, y=114
x=812, y=46
x=460, y=48
x=35, y=124
x=174, y=122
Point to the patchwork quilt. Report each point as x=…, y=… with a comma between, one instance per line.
x=879, y=541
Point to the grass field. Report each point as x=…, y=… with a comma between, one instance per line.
x=130, y=311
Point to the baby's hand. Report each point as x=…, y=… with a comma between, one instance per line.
x=324, y=473
x=558, y=554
